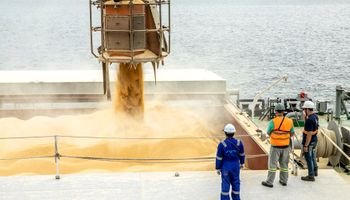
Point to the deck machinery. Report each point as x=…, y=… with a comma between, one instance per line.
x=132, y=32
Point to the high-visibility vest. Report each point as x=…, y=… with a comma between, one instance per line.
x=280, y=136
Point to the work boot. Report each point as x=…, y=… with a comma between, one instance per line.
x=284, y=184
x=264, y=183
x=308, y=178
x=316, y=171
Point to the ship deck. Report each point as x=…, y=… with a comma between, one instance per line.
x=151, y=185
x=164, y=185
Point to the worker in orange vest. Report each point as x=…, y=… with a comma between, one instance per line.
x=280, y=130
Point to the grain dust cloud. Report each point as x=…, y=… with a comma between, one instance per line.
x=118, y=123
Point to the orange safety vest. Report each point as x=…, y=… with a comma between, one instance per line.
x=280, y=136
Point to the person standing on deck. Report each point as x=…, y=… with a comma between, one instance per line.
x=280, y=130
x=310, y=140
x=229, y=159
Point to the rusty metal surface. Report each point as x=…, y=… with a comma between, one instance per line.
x=251, y=148
x=259, y=158
x=131, y=28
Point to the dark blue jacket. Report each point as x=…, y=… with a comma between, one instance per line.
x=311, y=124
x=230, y=154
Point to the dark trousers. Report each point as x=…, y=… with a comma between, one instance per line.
x=310, y=158
x=230, y=178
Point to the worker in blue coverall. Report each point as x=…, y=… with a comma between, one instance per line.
x=229, y=159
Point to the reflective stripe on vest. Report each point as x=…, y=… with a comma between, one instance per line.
x=225, y=145
x=281, y=137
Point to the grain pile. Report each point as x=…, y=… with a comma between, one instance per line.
x=158, y=121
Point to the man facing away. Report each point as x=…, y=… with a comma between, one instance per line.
x=280, y=130
x=229, y=159
x=310, y=140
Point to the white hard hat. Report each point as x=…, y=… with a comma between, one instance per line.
x=229, y=128
x=309, y=104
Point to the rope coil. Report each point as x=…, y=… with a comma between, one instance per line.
x=325, y=148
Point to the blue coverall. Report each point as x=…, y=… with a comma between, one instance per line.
x=229, y=157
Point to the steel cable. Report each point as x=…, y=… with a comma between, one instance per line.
x=193, y=159
x=24, y=137
x=26, y=158
x=121, y=138
x=196, y=159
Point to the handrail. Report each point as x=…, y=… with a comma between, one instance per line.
x=24, y=137
x=58, y=156
x=120, y=138
x=26, y=158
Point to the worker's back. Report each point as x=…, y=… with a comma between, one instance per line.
x=232, y=153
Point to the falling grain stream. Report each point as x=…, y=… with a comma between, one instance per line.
x=129, y=96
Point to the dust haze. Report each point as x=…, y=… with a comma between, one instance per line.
x=159, y=121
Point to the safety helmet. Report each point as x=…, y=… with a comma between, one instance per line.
x=229, y=129
x=279, y=107
x=309, y=104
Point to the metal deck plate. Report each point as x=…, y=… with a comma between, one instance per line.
x=164, y=185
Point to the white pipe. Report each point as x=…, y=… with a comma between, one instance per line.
x=285, y=77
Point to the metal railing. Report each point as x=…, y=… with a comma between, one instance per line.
x=57, y=155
